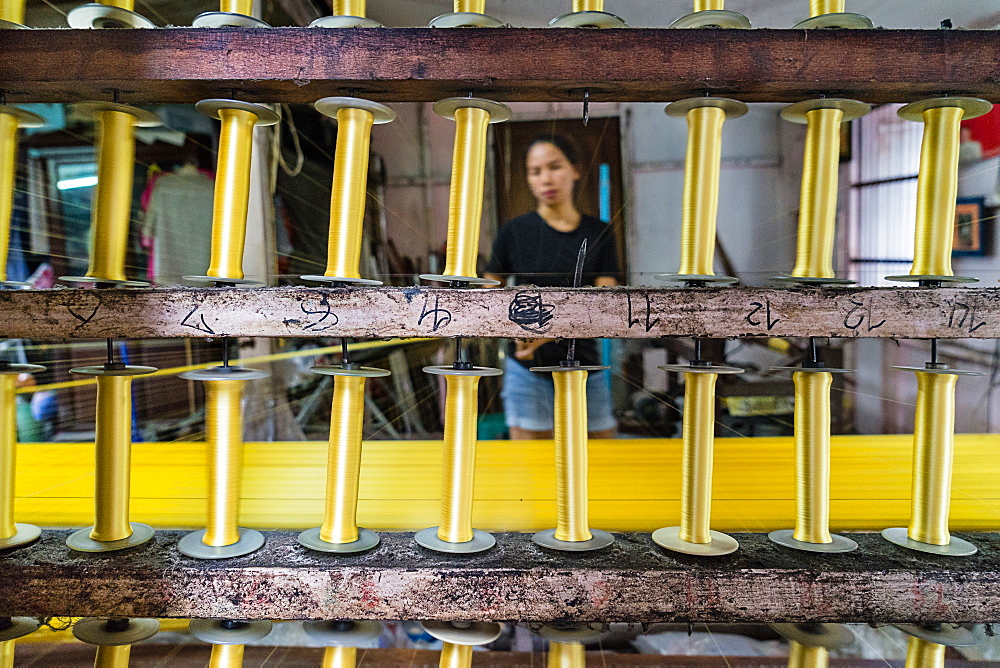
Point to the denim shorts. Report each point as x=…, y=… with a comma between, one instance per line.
x=528, y=399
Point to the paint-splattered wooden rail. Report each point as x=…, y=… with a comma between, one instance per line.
x=510, y=312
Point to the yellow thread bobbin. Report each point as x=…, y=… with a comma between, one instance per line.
x=11, y=533
x=228, y=638
x=572, y=532
x=346, y=14
x=11, y=119
x=587, y=14
x=694, y=535
x=809, y=644
x=818, y=195
x=340, y=532
x=107, y=14
x=232, y=186
x=112, y=205
x=223, y=537
x=711, y=14
x=467, y=14
x=459, y=638
x=472, y=116
x=341, y=639
x=566, y=644
x=355, y=118
x=11, y=14
x=927, y=644
x=937, y=185
x=700, y=202
x=231, y=14
x=831, y=14
x=114, y=637
x=455, y=533
x=12, y=628
x=113, y=445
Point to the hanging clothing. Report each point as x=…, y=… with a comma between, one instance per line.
x=178, y=224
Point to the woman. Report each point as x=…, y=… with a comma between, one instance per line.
x=541, y=248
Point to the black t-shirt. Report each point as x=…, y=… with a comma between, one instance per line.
x=535, y=253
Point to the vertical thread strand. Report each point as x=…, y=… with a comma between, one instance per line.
x=459, y=455
x=700, y=201
x=113, y=445
x=224, y=432
x=344, y=463
x=933, y=452
x=112, y=206
x=8, y=177
x=232, y=193
x=570, y=432
x=8, y=453
x=812, y=456
x=698, y=425
x=818, y=196
x=465, y=203
x=347, y=198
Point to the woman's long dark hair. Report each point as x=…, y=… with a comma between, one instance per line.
x=567, y=147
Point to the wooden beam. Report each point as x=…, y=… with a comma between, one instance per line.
x=510, y=312
x=180, y=65
x=633, y=581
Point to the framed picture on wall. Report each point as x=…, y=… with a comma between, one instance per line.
x=969, y=233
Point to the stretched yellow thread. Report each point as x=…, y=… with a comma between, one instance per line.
x=113, y=445
x=459, y=468
x=122, y=4
x=812, y=456
x=349, y=8
x=244, y=7
x=937, y=189
x=12, y=10
x=112, y=656
x=232, y=193
x=474, y=6
x=224, y=433
x=344, y=464
x=8, y=176
x=226, y=656
x=340, y=657
x=112, y=207
x=570, y=434
x=347, y=198
x=588, y=5
x=933, y=452
x=802, y=656
x=465, y=203
x=922, y=653
x=820, y=7
x=700, y=202
x=7, y=654
x=818, y=196
x=698, y=425
x=566, y=655
x=704, y=5
x=455, y=656
x=8, y=453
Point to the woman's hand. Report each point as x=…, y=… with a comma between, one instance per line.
x=525, y=348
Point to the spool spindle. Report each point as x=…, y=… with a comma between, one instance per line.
x=831, y=14
x=112, y=205
x=223, y=537
x=107, y=14
x=711, y=14
x=228, y=638
x=11, y=119
x=927, y=644
x=114, y=637
x=231, y=14
x=11, y=533
x=700, y=202
x=694, y=535
x=232, y=186
x=566, y=644
x=809, y=644
x=11, y=14
x=467, y=14
x=937, y=186
x=459, y=638
x=346, y=14
x=472, y=116
x=112, y=462
x=818, y=195
x=587, y=14
x=355, y=118
x=12, y=628
x=341, y=639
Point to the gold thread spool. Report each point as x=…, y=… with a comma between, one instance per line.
x=113, y=444
x=8, y=453
x=818, y=197
x=7, y=654
x=340, y=657
x=8, y=175
x=805, y=656
x=224, y=432
x=121, y=4
x=344, y=464
x=12, y=10
x=588, y=5
x=465, y=205
x=700, y=202
x=820, y=7
x=347, y=200
x=922, y=653
x=937, y=190
x=244, y=7
x=112, y=206
x=812, y=456
x=709, y=5
x=566, y=655
x=226, y=656
x=933, y=452
x=570, y=432
x=698, y=426
x=470, y=6
x=459, y=455
x=455, y=656
x=232, y=193
x=349, y=8
x=112, y=656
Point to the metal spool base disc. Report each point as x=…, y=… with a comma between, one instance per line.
x=481, y=541
x=930, y=278
x=811, y=281
x=670, y=538
x=192, y=546
x=329, y=106
x=589, y=19
x=15, y=285
x=560, y=369
x=571, y=633
x=696, y=278
x=498, y=114
x=10, y=25
x=351, y=634
x=785, y=538
x=712, y=18
x=972, y=106
x=465, y=20
x=955, y=548
x=844, y=20
x=266, y=115
x=318, y=278
x=943, y=370
x=20, y=627
x=359, y=372
x=101, y=371
x=13, y=369
x=680, y=109
x=227, y=20
x=223, y=282
x=93, y=630
x=367, y=539
x=827, y=636
x=451, y=371
x=24, y=534
x=224, y=373
x=853, y=109
x=599, y=541
x=345, y=22
x=476, y=633
x=82, y=542
x=811, y=369
x=949, y=636
x=104, y=282
x=471, y=280
x=25, y=119
x=142, y=119
x=212, y=631
x=95, y=15
x=712, y=368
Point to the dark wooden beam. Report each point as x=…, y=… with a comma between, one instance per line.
x=510, y=312
x=632, y=581
x=423, y=64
